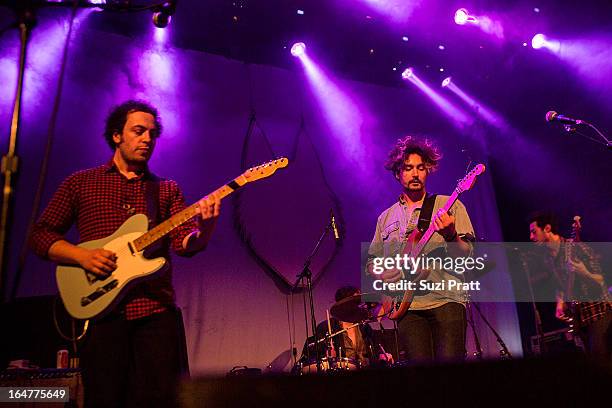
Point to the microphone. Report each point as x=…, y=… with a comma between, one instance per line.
x=333, y=224
x=553, y=116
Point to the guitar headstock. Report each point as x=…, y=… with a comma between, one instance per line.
x=576, y=228
x=468, y=181
x=266, y=169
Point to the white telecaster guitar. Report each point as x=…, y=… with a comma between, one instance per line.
x=85, y=296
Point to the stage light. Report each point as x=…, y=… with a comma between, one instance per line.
x=538, y=41
x=161, y=20
x=461, y=16
x=407, y=74
x=404, y=38
x=458, y=117
x=300, y=12
x=298, y=49
x=162, y=15
x=446, y=82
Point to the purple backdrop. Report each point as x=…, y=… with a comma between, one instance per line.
x=235, y=313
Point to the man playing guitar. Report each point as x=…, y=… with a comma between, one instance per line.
x=581, y=291
x=131, y=356
x=434, y=326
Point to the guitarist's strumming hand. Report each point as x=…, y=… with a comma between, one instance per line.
x=560, y=310
x=100, y=262
x=391, y=275
x=445, y=225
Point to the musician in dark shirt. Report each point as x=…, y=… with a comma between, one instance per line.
x=581, y=291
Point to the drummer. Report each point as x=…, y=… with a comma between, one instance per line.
x=355, y=343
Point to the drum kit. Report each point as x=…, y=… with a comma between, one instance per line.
x=358, y=309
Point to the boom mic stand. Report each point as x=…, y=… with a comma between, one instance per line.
x=306, y=274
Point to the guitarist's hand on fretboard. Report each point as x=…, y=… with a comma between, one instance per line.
x=210, y=206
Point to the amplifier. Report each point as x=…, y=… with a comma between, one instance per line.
x=556, y=342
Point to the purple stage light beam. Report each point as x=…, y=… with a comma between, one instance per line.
x=487, y=24
x=487, y=114
x=398, y=11
x=459, y=118
x=589, y=56
x=462, y=17
x=339, y=109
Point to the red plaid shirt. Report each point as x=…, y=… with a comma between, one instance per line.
x=99, y=200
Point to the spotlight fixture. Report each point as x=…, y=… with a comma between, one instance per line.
x=538, y=41
x=162, y=15
x=446, y=82
x=462, y=17
x=298, y=49
x=407, y=74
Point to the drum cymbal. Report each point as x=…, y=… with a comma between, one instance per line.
x=355, y=308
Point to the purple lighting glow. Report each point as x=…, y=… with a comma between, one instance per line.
x=589, y=56
x=462, y=16
x=460, y=119
x=407, y=74
x=538, y=41
x=487, y=114
x=340, y=111
x=398, y=11
x=298, y=49
x=541, y=41
x=486, y=24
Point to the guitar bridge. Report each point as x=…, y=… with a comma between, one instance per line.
x=99, y=292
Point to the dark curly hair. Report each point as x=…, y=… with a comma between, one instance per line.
x=409, y=145
x=115, y=121
x=543, y=218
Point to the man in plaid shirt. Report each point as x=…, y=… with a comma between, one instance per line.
x=588, y=289
x=131, y=356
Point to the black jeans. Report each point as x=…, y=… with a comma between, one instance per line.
x=133, y=363
x=434, y=334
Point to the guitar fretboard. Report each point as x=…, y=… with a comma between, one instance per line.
x=178, y=219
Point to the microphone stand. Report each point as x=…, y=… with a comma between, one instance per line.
x=606, y=142
x=470, y=320
x=306, y=275
x=25, y=22
x=504, y=352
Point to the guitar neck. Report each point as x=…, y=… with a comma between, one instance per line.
x=178, y=219
x=416, y=250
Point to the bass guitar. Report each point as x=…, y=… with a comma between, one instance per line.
x=395, y=307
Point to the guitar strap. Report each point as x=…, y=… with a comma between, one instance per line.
x=426, y=212
x=152, y=198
